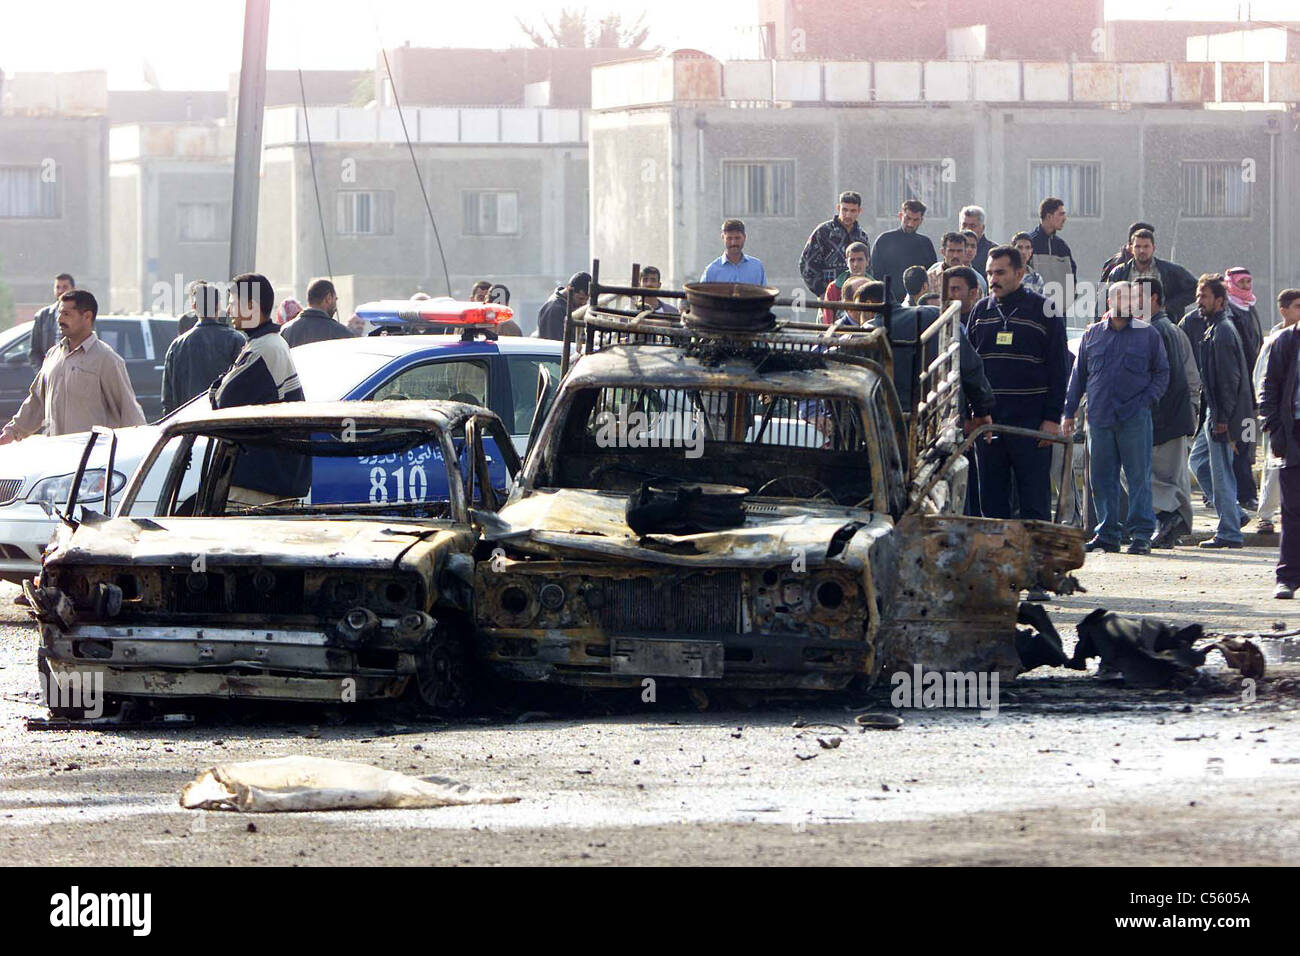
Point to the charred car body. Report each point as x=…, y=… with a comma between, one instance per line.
x=743, y=501
x=322, y=595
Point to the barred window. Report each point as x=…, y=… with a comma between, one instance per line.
x=1079, y=184
x=29, y=192
x=203, y=222
x=365, y=212
x=758, y=187
x=898, y=180
x=490, y=212
x=1215, y=190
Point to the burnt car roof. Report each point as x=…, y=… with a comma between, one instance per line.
x=668, y=365
x=442, y=414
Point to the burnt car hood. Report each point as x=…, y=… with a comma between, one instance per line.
x=587, y=523
x=242, y=541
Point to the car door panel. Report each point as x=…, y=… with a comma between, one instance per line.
x=419, y=474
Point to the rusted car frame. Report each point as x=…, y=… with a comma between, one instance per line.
x=290, y=600
x=807, y=594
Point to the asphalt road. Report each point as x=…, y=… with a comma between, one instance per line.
x=1070, y=771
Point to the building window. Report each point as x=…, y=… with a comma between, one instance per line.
x=763, y=188
x=491, y=212
x=900, y=180
x=1079, y=184
x=1213, y=190
x=29, y=192
x=365, y=212
x=203, y=222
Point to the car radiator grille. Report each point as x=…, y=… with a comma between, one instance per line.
x=701, y=604
x=9, y=488
x=236, y=593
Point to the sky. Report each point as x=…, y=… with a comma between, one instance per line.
x=195, y=44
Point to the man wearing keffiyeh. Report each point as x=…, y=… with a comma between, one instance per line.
x=1241, y=303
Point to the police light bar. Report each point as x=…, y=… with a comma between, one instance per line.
x=446, y=312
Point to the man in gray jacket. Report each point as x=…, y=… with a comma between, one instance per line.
x=1230, y=406
x=195, y=359
x=1173, y=423
x=317, y=322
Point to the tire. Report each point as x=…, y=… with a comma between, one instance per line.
x=443, y=682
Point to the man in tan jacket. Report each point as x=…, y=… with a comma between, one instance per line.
x=82, y=382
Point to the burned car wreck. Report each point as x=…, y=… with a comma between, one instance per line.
x=745, y=502
x=355, y=586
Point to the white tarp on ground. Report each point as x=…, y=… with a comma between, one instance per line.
x=316, y=783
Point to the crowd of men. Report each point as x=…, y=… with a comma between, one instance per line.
x=1170, y=376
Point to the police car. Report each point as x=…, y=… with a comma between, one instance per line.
x=460, y=360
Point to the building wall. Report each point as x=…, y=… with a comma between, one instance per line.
x=34, y=250
x=127, y=290
x=549, y=245
x=632, y=176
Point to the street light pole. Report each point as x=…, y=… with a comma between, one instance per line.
x=248, y=137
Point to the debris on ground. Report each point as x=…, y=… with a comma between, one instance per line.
x=878, y=721
x=1241, y=655
x=830, y=744
x=1039, y=643
x=1151, y=653
x=315, y=783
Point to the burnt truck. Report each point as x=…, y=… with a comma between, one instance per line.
x=327, y=591
x=738, y=500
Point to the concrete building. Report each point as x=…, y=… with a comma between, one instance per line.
x=53, y=184
x=169, y=211
x=507, y=187
x=679, y=143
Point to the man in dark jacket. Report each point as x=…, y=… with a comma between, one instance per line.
x=823, y=254
x=198, y=357
x=1173, y=423
x=45, y=328
x=550, y=320
x=1279, y=405
x=1053, y=259
x=1241, y=306
x=899, y=248
x=1125, y=252
x=1179, y=285
x=1230, y=409
x=317, y=322
x=263, y=374
x=1122, y=367
x=1027, y=362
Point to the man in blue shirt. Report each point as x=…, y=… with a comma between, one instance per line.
x=734, y=265
x=1123, y=368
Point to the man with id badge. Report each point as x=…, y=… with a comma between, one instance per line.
x=1027, y=362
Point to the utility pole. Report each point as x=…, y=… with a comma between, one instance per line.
x=248, y=137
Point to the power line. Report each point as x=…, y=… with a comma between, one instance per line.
x=311, y=156
x=420, y=179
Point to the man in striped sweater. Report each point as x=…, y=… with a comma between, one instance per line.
x=1027, y=362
